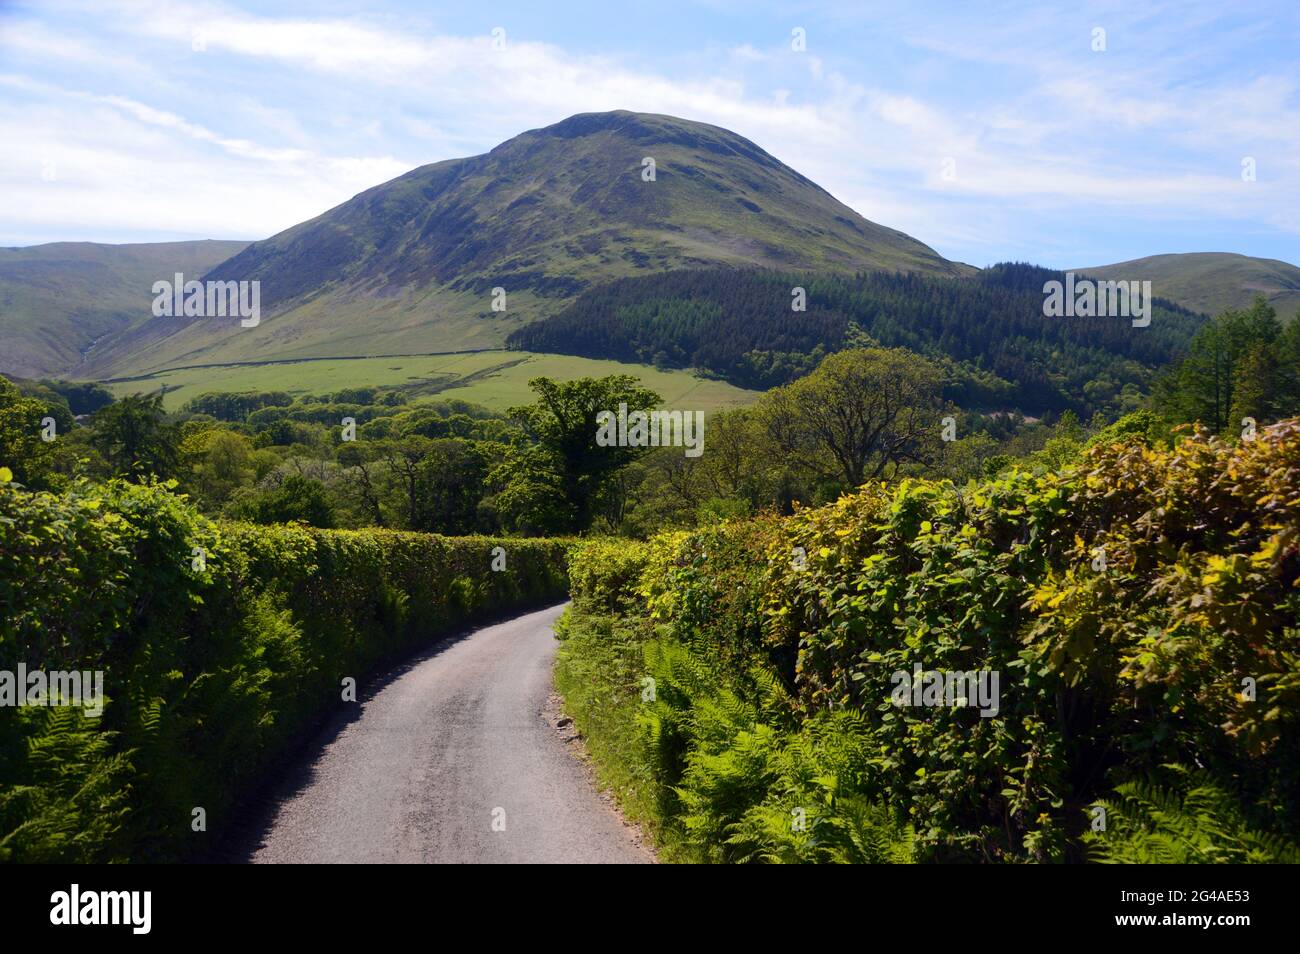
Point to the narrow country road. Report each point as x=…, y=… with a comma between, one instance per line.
x=452, y=760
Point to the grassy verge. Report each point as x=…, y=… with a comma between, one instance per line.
x=597, y=672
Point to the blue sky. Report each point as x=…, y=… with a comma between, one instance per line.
x=990, y=131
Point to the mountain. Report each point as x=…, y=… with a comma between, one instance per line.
x=57, y=300
x=1212, y=282
x=409, y=266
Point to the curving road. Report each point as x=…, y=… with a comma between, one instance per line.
x=454, y=759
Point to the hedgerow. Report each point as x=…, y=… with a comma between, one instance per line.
x=220, y=643
x=1140, y=608
x=606, y=574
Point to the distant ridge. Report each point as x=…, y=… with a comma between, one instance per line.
x=56, y=300
x=1212, y=282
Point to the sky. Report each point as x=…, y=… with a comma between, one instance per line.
x=1064, y=134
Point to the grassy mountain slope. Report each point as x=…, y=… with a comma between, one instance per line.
x=409, y=266
x=1213, y=281
x=56, y=300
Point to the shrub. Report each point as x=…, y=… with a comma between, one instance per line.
x=296, y=498
x=604, y=573
x=1123, y=601
x=1140, y=608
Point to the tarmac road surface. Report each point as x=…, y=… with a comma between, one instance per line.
x=453, y=759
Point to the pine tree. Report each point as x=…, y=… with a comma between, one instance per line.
x=1204, y=386
x=1255, y=391
x=1288, y=369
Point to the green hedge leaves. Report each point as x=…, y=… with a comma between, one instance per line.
x=221, y=645
x=1141, y=608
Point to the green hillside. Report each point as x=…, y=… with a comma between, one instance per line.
x=1212, y=282
x=57, y=300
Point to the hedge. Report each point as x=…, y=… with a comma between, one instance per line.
x=1141, y=608
x=221, y=645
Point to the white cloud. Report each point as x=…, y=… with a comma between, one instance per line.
x=253, y=123
x=120, y=166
